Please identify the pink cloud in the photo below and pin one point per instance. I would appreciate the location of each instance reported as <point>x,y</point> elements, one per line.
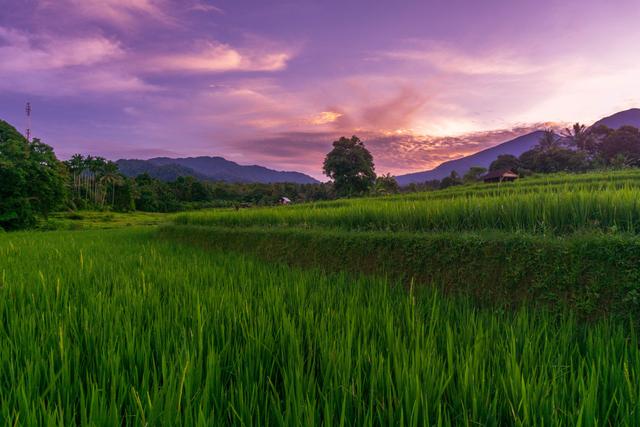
<point>452,60</point>
<point>62,66</point>
<point>215,57</point>
<point>202,6</point>
<point>394,153</point>
<point>396,112</point>
<point>117,12</point>
<point>28,53</point>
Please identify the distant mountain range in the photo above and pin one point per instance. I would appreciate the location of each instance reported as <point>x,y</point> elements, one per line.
<point>624,118</point>
<point>514,147</point>
<point>209,169</point>
<point>219,169</point>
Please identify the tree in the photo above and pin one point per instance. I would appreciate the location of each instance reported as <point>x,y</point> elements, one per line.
<point>350,165</point>
<point>474,174</point>
<point>504,162</point>
<point>154,195</point>
<point>386,184</point>
<point>32,180</point>
<point>110,177</point>
<point>578,136</point>
<point>124,196</point>
<point>548,141</point>
<point>597,135</point>
<point>622,147</point>
<point>556,159</point>
<point>451,180</point>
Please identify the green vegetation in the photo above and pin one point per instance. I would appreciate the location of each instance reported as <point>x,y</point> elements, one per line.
<point>95,183</point>
<point>350,165</point>
<point>31,179</point>
<point>166,334</point>
<point>506,304</point>
<point>607,202</point>
<point>578,149</point>
<point>559,241</point>
<point>89,220</point>
<point>593,276</point>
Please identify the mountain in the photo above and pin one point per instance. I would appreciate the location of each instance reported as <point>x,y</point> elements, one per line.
<point>624,118</point>
<point>167,172</point>
<point>515,147</point>
<point>209,169</point>
<point>482,158</point>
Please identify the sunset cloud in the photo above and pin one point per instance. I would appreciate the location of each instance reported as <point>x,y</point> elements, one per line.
<point>395,153</point>
<point>325,117</point>
<point>276,83</point>
<point>215,57</point>
<point>28,53</point>
<point>452,60</point>
<point>118,12</point>
<point>203,6</point>
<point>63,66</point>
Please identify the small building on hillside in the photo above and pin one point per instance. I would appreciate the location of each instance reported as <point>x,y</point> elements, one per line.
<point>504,175</point>
<point>285,201</point>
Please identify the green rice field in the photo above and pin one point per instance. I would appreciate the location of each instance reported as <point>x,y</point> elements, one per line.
<point>481,305</point>
<point>557,204</point>
<point>116,327</point>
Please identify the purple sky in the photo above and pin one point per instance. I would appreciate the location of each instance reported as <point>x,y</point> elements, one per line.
<point>275,82</point>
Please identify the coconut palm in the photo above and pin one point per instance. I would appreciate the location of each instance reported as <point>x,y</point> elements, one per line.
<point>578,135</point>
<point>110,176</point>
<point>549,140</point>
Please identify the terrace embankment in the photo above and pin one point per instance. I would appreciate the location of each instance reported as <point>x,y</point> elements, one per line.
<point>559,241</point>
<point>594,275</point>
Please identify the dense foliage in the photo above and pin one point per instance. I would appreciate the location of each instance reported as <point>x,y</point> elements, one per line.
<point>31,179</point>
<point>96,183</point>
<point>166,334</point>
<point>350,165</point>
<point>577,150</point>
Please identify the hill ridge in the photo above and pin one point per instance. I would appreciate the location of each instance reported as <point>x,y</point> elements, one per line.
<point>210,168</point>
<point>514,146</point>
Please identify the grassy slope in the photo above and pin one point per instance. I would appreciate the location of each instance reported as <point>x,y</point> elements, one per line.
<point>116,328</point>
<point>604,202</point>
<point>559,240</point>
<point>83,220</point>
<point>592,275</point>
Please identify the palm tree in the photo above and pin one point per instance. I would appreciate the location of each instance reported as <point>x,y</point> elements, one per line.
<point>76,166</point>
<point>97,167</point>
<point>548,141</point>
<point>110,175</point>
<point>578,135</point>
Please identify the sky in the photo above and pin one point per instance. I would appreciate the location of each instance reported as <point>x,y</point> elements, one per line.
<point>275,82</point>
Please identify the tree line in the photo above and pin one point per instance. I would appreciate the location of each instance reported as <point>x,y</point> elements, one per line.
<point>576,149</point>
<point>97,184</point>
<point>33,182</point>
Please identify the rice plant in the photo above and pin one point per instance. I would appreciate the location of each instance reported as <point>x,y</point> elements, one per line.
<point>118,328</point>
<point>604,202</point>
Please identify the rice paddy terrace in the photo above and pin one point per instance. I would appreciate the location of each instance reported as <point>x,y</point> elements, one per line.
<point>487,305</point>
<point>561,241</point>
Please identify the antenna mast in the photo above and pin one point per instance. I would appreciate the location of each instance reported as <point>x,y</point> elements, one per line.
<point>28,111</point>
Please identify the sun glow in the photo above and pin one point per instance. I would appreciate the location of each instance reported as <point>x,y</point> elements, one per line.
<point>325,117</point>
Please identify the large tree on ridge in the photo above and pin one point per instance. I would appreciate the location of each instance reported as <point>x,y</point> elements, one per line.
<point>350,165</point>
